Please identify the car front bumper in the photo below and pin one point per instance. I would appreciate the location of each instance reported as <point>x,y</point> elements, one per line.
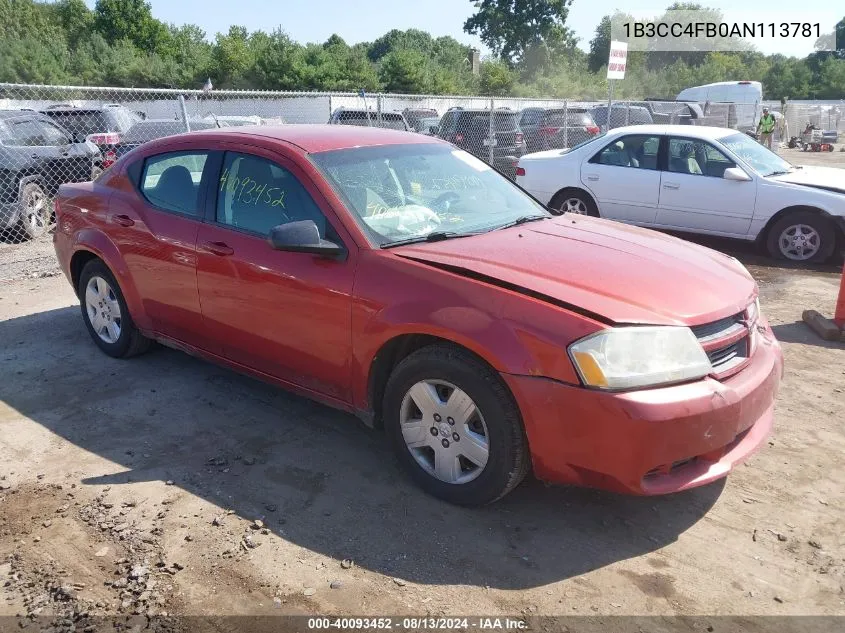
<point>654,441</point>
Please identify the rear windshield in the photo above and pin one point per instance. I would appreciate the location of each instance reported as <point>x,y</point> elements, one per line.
<point>623,115</point>
<point>502,121</point>
<point>93,121</point>
<point>390,120</point>
<point>571,117</point>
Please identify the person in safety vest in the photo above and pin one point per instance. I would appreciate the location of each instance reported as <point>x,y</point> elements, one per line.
<point>766,128</point>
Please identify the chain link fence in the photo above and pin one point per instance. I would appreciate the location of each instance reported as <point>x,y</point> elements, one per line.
<point>51,135</point>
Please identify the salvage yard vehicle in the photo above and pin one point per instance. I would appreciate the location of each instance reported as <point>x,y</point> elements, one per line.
<point>707,180</point>
<point>36,156</point>
<point>397,277</point>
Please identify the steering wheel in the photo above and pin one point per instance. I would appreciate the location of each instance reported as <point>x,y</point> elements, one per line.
<point>445,200</point>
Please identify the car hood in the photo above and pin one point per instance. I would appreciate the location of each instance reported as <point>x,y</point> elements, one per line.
<point>828,178</point>
<point>610,271</point>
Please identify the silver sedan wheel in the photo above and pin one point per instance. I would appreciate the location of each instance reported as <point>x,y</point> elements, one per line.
<point>103,309</point>
<point>799,242</point>
<point>574,205</point>
<point>444,431</point>
<point>36,212</point>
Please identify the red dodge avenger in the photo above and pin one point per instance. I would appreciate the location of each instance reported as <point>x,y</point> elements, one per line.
<point>396,277</point>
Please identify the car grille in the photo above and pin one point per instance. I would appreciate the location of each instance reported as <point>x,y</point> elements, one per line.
<point>725,341</point>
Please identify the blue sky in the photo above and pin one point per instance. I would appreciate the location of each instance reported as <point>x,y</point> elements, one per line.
<point>365,20</point>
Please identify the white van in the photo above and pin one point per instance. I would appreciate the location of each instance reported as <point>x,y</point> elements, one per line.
<point>747,95</point>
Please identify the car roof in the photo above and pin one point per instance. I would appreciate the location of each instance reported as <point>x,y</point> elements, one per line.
<point>315,138</point>
<point>13,114</point>
<point>690,131</point>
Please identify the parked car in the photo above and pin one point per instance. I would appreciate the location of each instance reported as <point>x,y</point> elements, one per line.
<point>470,130</point>
<point>698,179</point>
<point>36,156</point>
<point>556,128</point>
<point>414,115</point>
<point>368,118</point>
<point>393,276</point>
<point>621,115</point>
<point>149,129</point>
<point>670,112</point>
<point>427,125</point>
<point>101,125</point>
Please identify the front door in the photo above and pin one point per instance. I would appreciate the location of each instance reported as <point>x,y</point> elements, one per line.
<point>285,314</point>
<point>695,196</point>
<point>624,178</point>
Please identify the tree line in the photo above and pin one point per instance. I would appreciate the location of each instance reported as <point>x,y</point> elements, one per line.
<point>121,43</point>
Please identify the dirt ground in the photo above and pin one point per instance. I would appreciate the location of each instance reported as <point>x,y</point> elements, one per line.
<point>165,484</point>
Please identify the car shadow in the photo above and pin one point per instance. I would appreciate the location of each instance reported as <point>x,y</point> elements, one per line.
<point>800,332</point>
<point>319,479</point>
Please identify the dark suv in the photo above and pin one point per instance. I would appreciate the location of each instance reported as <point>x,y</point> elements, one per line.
<point>101,125</point>
<point>556,128</point>
<point>470,130</point>
<point>36,156</point>
<point>364,118</point>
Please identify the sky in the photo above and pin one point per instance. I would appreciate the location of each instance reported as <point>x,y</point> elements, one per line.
<point>365,20</point>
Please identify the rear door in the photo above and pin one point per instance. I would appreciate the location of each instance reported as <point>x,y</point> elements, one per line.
<point>155,227</point>
<point>65,160</point>
<point>695,196</point>
<point>624,178</point>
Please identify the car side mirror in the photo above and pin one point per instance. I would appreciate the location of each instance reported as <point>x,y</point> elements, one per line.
<point>736,174</point>
<point>303,237</point>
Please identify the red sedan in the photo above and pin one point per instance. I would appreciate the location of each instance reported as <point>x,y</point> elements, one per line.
<point>397,277</point>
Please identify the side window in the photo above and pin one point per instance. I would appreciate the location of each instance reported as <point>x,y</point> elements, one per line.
<point>172,181</point>
<point>53,135</point>
<point>532,117</point>
<point>446,123</point>
<point>696,157</point>
<point>255,195</point>
<point>26,133</point>
<point>637,150</point>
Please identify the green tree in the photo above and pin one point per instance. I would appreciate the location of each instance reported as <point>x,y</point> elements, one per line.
<point>130,20</point>
<point>510,27</point>
<point>496,78</point>
<point>76,19</point>
<point>405,71</point>
<point>232,58</point>
<point>599,46</point>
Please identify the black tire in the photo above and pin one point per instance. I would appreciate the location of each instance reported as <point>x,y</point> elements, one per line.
<point>586,200</point>
<point>130,342</point>
<point>36,212</point>
<point>508,458</point>
<point>823,227</point>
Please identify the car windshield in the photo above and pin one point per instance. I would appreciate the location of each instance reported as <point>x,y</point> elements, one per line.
<point>407,192</point>
<point>765,162</point>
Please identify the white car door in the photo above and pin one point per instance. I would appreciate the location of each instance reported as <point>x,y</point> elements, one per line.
<point>695,195</point>
<point>624,178</point>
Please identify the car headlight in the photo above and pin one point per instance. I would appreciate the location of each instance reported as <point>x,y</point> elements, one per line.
<point>635,357</point>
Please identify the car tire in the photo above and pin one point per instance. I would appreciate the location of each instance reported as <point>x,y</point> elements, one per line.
<point>105,313</point>
<point>36,212</point>
<point>423,389</point>
<point>801,236</point>
<point>574,201</point>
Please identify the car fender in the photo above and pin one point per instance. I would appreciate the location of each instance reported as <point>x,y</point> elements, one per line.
<point>98,243</point>
<point>774,197</point>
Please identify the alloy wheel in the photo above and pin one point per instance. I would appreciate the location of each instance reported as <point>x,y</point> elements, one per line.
<point>799,242</point>
<point>103,309</point>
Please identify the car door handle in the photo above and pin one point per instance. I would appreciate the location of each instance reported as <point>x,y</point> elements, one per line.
<point>592,177</point>
<point>218,248</point>
<point>671,185</point>
<point>123,220</point>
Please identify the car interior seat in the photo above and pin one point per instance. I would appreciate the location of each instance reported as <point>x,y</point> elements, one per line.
<point>175,190</point>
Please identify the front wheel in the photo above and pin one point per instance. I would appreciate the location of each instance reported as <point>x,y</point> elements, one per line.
<point>802,236</point>
<point>455,426</point>
<point>36,211</point>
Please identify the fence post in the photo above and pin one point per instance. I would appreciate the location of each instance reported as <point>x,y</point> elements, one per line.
<point>331,110</point>
<point>184,112</point>
<point>566,123</point>
<point>491,134</point>
<point>628,113</point>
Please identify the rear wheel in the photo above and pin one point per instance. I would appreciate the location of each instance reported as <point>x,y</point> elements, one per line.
<point>574,201</point>
<point>454,426</point>
<point>105,313</point>
<point>36,211</point>
<point>802,236</point>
